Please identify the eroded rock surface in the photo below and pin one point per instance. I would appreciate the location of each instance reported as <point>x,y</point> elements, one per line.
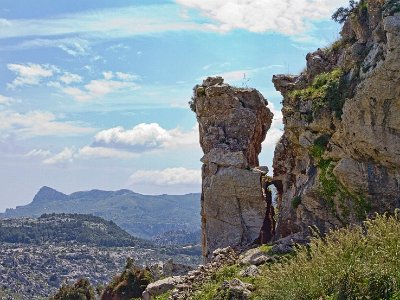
<point>339,157</point>
<point>233,123</point>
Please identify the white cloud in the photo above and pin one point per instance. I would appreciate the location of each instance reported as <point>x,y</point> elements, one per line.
<point>30,74</point>
<point>275,132</point>
<point>104,23</point>
<point>69,78</point>
<point>40,123</point>
<point>126,76</point>
<point>4,100</point>
<point>108,75</point>
<point>289,17</point>
<point>103,152</point>
<point>64,156</point>
<point>72,46</point>
<point>101,87</point>
<point>144,137</point>
<point>167,177</point>
<point>75,48</point>
<point>38,153</point>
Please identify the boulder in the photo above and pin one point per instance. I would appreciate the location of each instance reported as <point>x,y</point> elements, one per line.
<point>160,287</point>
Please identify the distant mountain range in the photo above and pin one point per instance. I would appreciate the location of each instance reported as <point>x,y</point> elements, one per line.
<point>143,216</point>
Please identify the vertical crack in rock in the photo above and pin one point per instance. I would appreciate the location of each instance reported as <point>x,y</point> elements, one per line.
<point>233,123</point>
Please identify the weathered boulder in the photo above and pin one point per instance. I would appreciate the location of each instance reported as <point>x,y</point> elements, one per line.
<point>254,257</point>
<point>233,123</point>
<point>339,158</point>
<point>160,287</point>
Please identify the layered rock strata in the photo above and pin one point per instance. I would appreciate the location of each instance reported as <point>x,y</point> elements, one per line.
<point>233,123</point>
<point>339,158</point>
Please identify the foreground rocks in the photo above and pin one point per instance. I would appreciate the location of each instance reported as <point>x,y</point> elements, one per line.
<point>339,158</point>
<point>182,287</point>
<point>233,123</point>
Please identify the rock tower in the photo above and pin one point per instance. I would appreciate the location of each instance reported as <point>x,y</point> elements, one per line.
<point>233,123</point>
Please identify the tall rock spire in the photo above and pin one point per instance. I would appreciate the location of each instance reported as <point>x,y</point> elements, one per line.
<point>233,123</point>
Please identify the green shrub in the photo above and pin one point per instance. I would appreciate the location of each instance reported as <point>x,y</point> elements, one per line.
<point>326,90</point>
<point>208,290</point>
<point>131,283</point>
<point>80,290</point>
<point>265,248</point>
<point>361,262</point>
<point>296,201</point>
<point>319,146</point>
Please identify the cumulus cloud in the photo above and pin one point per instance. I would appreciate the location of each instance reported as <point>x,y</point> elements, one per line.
<point>110,83</point>
<point>30,74</point>
<point>69,78</point>
<point>289,17</point>
<point>34,74</point>
<point>40,123</point>
<point>167,177</point>
<point>143,137</point>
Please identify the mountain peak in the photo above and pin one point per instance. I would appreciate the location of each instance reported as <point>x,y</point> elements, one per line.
<point>47,194</point>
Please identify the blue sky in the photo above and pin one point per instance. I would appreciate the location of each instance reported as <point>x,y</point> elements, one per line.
<point>93,94</point>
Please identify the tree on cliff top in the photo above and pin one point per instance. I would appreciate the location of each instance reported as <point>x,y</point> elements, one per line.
<point>342,13</point>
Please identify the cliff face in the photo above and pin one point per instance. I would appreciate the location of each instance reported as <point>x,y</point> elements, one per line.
<point>233,123</point>
<point>339,157</point>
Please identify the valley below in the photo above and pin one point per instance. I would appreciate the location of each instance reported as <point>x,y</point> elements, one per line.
<point>38,255</point>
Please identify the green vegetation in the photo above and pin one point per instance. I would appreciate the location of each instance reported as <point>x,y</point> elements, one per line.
<point>361,262</point>
<point>164,296</point>
<point>391,7</point>
<point>127,209</point>
<point>84,229</point>
<point>319,146</point>
<point>331,188</point>
<point>265,248</point>
<point>296,201</point>
<point>209,289</point>
<point>343,13</point>
<point>80,290</point>
<point>326,90</point>
<point>131,283</point>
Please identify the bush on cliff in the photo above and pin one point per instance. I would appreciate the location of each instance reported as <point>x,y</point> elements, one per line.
<point>130,284</point>
<point>326,90</point>
<point>361,262</point>
<point>80,290</point>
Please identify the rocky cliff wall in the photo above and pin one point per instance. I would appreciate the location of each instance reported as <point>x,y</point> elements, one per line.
<point>339,157</point>
<point>233,123</point>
